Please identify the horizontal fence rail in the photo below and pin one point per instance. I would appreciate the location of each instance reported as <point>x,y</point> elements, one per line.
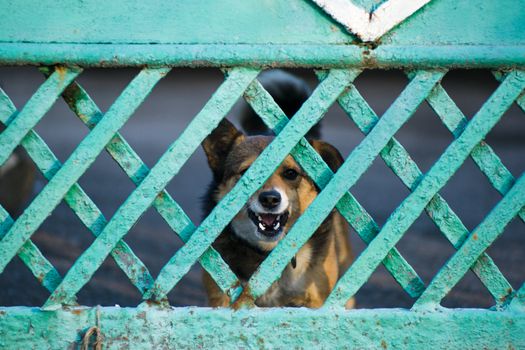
<point>313,56</point>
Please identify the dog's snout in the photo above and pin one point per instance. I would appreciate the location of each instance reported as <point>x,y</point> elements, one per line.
<point>270,199</point>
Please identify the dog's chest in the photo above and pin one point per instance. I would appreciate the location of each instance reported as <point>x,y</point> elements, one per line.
<point>292,284</point>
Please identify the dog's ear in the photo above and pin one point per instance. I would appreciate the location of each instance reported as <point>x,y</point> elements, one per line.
<point>329,153</point>
<point>218,144</point>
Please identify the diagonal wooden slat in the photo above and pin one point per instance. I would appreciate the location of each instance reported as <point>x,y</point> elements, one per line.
<point>491,165</point>
<point>400,162</point>
<point>77,163</point>
<point>497,174</point>
<point>518,302</point>
<point>34,109</point>
<point>88,112</point>
<point>157,179</point>
<point>260,170</point>
<point>315,167</point>
<point>434,180</point>
<point>84,208</point>
<point>352,169</point>
<point>30,255</point>
<point>483,155</point>
<point>520,101</point>
<point>479,241</point>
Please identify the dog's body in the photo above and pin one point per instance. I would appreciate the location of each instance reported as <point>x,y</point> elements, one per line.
<point>268,216</point>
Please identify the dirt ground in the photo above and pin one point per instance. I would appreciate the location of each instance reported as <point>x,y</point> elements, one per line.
<point>177,98</point>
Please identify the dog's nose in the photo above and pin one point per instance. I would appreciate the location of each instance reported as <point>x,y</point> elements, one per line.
<point>270,199</point>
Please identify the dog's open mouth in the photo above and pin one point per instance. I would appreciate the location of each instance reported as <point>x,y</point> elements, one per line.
<point>269,224</point>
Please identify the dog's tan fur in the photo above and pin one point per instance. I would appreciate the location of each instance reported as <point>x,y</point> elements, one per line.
<point>318,264</point>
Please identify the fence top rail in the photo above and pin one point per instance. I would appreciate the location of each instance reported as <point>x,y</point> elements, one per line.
<point>261,56</point>
<point>306,33</point>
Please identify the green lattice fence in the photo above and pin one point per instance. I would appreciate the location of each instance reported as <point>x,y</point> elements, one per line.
<point>339,58</point>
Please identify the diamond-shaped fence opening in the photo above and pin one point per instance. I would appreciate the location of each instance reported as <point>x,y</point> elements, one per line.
<point>20,287</point>
<point>168,110</point>
<point>424,137</point>
<point>19,183</point>
<point>289,88</point>
<point>104,85</point>
<point>379,191</point>
<point>425,247</point>
<point>62,238</point>
<point>469,88</point>
<point>468,293</point>
<point>508,141</point>
<point>380,87</point>
<point>153,240</point>
<point>507,253</point>
<point>20,83</point>
<point>470,194</point>
<point>382,291</point>
<point>189,187</point>
<point>340,131</point>
<point>105,177</point>
<point>61,130</point>
<point>189,291</point>
<point>109,286</point>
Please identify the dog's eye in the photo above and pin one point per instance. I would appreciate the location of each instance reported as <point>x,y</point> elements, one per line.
<point>290,174</point>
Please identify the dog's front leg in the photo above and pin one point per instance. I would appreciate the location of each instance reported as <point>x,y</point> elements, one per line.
<point>216,298</point>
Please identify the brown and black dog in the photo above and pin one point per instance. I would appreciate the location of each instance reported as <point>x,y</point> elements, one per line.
<point>268,216</point>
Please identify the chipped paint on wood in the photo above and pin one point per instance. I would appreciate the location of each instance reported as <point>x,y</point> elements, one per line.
<point>423,37</point>
<point>406,213</point>
<point>300,55</point>
<point>191,328</point>
<point>351,170</point>
<point>318,170</point>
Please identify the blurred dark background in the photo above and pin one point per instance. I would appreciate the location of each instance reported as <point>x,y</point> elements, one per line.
<point>171,106</point>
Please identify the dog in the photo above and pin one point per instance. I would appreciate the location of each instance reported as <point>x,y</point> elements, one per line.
<point>289,92</point>
<point>267,217</point>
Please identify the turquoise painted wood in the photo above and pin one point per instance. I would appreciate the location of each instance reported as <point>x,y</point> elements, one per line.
<point>149,327</point>
<point>244,38</point>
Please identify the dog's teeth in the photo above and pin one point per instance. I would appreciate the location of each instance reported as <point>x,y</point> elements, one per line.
<point>261,226</point>
<point>259,218</point>
<point>277,225</point>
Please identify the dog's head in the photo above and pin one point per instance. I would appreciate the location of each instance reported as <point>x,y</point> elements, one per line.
<point>274,208</point>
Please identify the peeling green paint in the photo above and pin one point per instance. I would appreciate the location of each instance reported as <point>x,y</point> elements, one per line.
<point>352,169</point>
<point>75,166</point>
<point>478,241</point>
<point>436,178</point>
<point>348,206</point>
<point>194,328</point>
<point>261,169</point>
<point>249,55</point>
<point>159,176</point>
<point>245,38</point>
